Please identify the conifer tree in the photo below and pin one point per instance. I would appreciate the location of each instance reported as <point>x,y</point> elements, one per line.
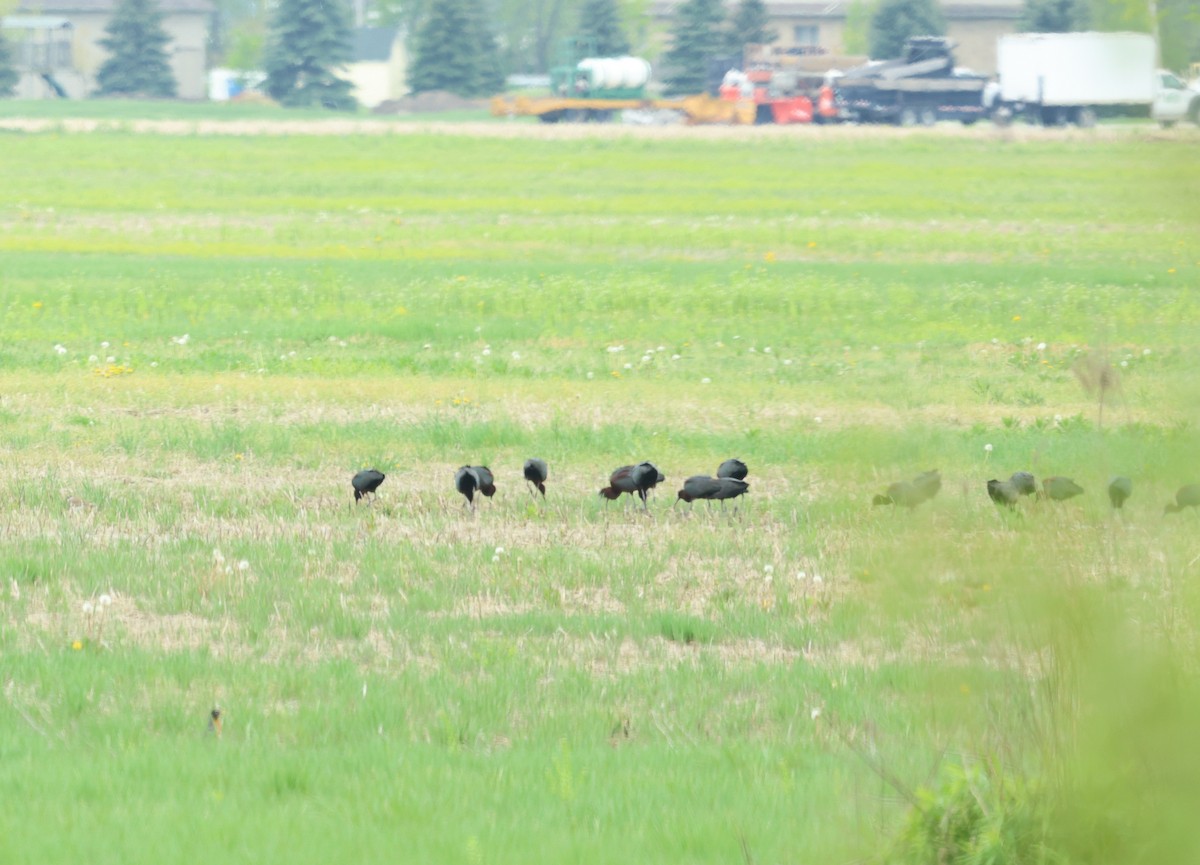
<point>137,62</point>
<point>600,26</point>
<point>750,26</point>
<point>8,74</point>
<point>697,37</point>
<point>309,40</point>
<point>456,51</point>
<point>895,21</point>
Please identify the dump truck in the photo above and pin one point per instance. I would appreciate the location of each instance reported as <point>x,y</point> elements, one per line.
<point>1060,78</point>
<point>923,86</point>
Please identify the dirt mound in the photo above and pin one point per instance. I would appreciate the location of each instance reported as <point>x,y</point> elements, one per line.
<point>433,100</point>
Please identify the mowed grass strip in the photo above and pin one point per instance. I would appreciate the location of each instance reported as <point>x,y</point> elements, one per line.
<point>204,338</point>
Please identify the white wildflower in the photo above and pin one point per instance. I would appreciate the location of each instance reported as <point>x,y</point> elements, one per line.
<point>105,600</point>
<point>1041,346</point>
<point>987,448</point>
<point>613,349</point>
<point>243,565</point>
<point>104,344</point>
<point>88,608</point>
<point>814,714</point>
<point>706,381</point>
<point>60,349</point>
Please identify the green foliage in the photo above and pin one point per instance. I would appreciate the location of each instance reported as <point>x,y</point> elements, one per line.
<point>245,50</point>
<point>895,21</point>
<point>137,62</point>
<point>600,25</point>
<point>750,25</point>
<point>1055,16</point>
<point>1179,33</point>
<point>309,41</point>
<point>1116,15</point>
<point>456,51</point>
<point>697,36</point>
<point>856,35</point>
<point>976,815</point>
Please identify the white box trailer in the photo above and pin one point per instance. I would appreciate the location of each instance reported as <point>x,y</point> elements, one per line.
<point>1061,77</point>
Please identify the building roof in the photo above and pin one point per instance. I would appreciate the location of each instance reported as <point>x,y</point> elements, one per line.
<point>65,7</point>
<point>373,43</point>
<point>837,9</point>
<point>35,22</point>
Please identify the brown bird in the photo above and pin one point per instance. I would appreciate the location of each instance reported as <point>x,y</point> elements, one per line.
<point>536,473</point>
<point>1187,497</point>
<point>1003,492</point>
<point>471,479</point>
<point>638,480</point>
<point>1060,489</point>
<point>214,721</point>
<point>1119,489</point>
<point>920,489</point>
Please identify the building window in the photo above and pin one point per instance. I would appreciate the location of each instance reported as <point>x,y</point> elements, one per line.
<point>806,34</point>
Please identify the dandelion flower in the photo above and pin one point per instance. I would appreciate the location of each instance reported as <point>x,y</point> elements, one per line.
<point>60,349</point>
<point>800,575</point>
<point>243,565</point>
<point>499,550</point>
<point>486,352</point>
<point>675,357</point>
<point>217,556</point>
<point>817,578</point>
<point>987,448</point>
<point>768,569</point>
<point>77,645</point>
<point>628,366</point>
<point>516,355</point>
<point>495,559</point>
<point>88,609</point>
<point>787,362</point>
<point>105,600</point>
<point>93,359</point>
<point>613,349</point>
<point>662,348</point>
<point>591,375</point>
<point>706,381</point>
<point>814,714</point>
<point>1145,352</point>
<point>1041,346</point>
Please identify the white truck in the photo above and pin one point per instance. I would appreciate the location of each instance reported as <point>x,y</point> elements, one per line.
<point>1057,78</point>
<point>1174,100</point>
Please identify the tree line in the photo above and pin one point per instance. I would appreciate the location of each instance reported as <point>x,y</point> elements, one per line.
<point>468,47</point>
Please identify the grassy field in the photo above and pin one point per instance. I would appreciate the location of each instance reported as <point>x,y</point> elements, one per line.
<point>205,337</point>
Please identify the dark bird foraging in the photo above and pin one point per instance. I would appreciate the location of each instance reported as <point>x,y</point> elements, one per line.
<point>733,468</point>
<point>1024,482</point>
<point>1060,489</point>
<point>469,480</point>
<point>1187,497</point>
<point>909,494</point>
<point>1003,492</point>
<point>1119,489</point>
<point>366,481</point>
<point>536,473</point>
<point>731,488</point>
<point>638,480</point>
<point>214,721</point>
<point>699,487</point>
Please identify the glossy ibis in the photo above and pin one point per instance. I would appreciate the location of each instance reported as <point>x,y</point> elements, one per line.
<point>912,493</point>
<point>536,473</point>
<point>1187,497</point>
<point>1119,489</point>
<point>1024,483</point>
<point>366,482</point>
<point>733,468</point>
<point>1060,489</point>
<point>469,480</point>
<point>1003,492</point>
<point>637,480</point>
<point>699,487</point>
<point>731,488</point>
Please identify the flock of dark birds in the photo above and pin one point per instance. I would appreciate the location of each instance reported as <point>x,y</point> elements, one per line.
<point>730,482</point>
<point>636,480</point>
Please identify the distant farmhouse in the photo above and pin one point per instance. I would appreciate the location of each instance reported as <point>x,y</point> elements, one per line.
<point>58,45</point>
<point>379,65</point>
<point>973,24</point>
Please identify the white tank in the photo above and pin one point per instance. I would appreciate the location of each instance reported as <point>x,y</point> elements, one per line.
<point>611,73</point>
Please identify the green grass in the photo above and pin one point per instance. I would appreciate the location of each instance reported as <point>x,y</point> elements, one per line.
<point>204,337</point>
<point>125,110</point>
